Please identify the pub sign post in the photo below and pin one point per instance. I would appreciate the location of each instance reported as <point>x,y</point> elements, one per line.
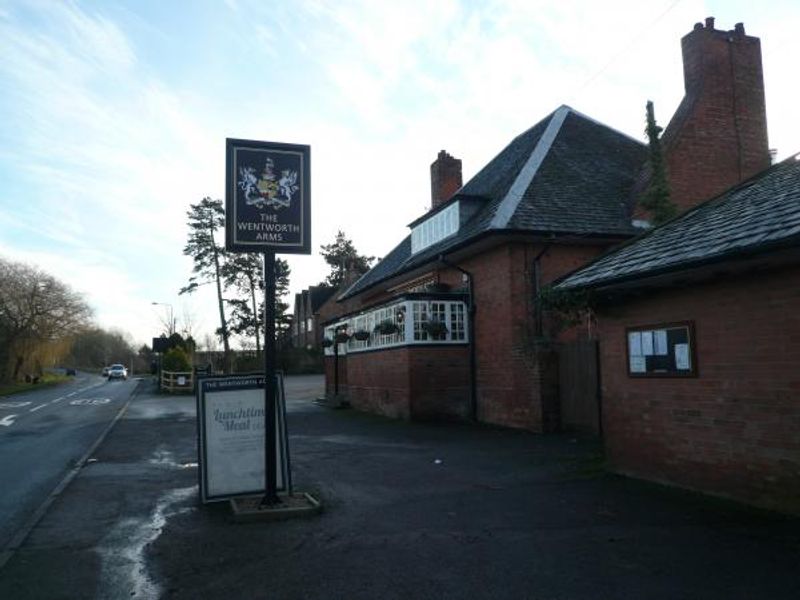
<point>268,210</point>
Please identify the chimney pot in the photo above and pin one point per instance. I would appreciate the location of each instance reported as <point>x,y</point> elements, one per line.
<point>709,22</point>
<point>698,26</point>
<point>739,28</point>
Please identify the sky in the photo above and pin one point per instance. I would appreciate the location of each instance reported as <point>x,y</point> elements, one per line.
<point>114,115</point>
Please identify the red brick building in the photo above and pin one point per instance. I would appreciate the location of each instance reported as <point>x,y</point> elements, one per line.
<point>471,267</point>
<point>308,315</point>
<point>699,335</point>
<point>448,323</point>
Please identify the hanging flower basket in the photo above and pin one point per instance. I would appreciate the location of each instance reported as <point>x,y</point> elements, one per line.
<point>327,342</point>
<point>386,328</point>
<point>434,328</point>
<point>362,335</point>
<point>342,338</point>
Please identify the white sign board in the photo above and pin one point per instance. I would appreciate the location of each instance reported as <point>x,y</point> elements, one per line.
<point>231,429</point>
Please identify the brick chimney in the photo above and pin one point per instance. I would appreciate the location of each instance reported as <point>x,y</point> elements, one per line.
<point>445,178</point>
<point>718,135</point>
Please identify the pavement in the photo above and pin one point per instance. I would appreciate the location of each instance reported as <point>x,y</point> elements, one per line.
<point>411,511</point>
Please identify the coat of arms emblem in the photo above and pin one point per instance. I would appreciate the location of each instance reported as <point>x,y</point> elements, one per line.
<point>266,189</point>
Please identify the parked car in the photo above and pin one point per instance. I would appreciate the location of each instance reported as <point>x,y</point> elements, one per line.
<point>117,372</point>
<point>70,371</point>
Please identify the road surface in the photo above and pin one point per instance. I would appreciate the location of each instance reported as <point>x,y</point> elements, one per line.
<point>43,434</point>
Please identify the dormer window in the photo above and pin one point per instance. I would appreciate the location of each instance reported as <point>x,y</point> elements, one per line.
<point>434,229</point>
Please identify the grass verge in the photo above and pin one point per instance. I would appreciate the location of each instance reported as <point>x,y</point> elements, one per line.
<point>47,380</point>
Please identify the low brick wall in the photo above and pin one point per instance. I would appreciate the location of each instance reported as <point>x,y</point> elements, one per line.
<point>419,382</point>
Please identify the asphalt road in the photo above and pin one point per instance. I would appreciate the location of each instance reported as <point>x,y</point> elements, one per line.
<point>412,511</point>
<point>43,433</point>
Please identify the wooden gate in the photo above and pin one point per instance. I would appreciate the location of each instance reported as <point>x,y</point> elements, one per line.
<point>579,386</point>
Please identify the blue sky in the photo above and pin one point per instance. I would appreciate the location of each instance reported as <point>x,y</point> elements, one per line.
<point>113,115</point>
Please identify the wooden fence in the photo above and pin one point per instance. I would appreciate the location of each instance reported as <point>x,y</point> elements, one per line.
<point>177,382</point>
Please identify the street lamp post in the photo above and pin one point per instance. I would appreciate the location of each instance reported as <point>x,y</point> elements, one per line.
<point>171,316</point>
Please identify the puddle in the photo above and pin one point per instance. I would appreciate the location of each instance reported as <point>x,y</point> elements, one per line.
<point>123,572</point>
<point>152,410</point>
<point>165,458</point>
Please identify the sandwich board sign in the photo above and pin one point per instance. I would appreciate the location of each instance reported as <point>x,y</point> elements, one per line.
<point>231,436</point>
<point>268,197</point>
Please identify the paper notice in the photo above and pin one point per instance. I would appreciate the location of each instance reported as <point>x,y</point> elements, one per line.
<point>635,343</point>
<point>647,343</point>
<point>682,361</point>
<point>660,342</point>
<point>637,364</point>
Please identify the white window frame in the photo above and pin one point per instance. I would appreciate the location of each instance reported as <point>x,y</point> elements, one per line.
<point>415,312</point>
<point>436,228</point>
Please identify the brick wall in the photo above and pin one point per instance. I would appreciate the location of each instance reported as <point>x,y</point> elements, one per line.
<point>735,429</point>
<point>421,382</point>
<point>517,375</point>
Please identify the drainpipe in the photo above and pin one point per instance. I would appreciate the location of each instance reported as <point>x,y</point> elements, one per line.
<point>335,368</point>
<point>537,287</point>
<point>473,385</point>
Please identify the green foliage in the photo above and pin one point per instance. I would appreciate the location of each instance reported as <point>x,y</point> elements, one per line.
<point>343,259</point>
<point>386,327</point>
<point>656,199</point>
<point>435,329</point>
<point>205,219</point>
<point>300,361</point>
<point>244,273</point>
<point>568,307</point>
<point>176,360</point>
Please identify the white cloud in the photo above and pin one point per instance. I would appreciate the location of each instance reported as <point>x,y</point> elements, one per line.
<point>111,149</point>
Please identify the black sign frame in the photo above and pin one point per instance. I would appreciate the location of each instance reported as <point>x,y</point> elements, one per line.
<point>242,381</point>
<point>267,197</point>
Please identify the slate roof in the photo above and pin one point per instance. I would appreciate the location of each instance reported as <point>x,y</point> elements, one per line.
<point>754,216</point>
<point>320,295</point>
<point>568,174</point>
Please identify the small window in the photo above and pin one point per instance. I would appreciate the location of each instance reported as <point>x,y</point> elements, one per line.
<point>661,350</point>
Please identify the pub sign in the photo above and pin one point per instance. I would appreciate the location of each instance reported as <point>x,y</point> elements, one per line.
<point>268,197</point>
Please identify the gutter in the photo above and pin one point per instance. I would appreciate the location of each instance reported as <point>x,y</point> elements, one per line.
<point>473,384</point>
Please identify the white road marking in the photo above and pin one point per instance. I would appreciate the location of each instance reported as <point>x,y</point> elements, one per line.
<point>35,408</point>
<point>56,400</point>
<point>7,421</point>
<point>14,404</point>
<point>71,395</point>
<point>90,401</point>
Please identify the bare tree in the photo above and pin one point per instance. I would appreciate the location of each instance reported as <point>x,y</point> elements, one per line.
<point>36,311</point>
<point>188,322</point>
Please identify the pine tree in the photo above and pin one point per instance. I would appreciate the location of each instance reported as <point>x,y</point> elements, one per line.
<point>204,220</point>
<point>343,258</point>
<point>245,274</point>
<point>656,199</point>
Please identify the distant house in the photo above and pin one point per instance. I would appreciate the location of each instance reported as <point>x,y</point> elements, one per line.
<point>306,331</point>
<point>448,325</point>
<point>699,334</point>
